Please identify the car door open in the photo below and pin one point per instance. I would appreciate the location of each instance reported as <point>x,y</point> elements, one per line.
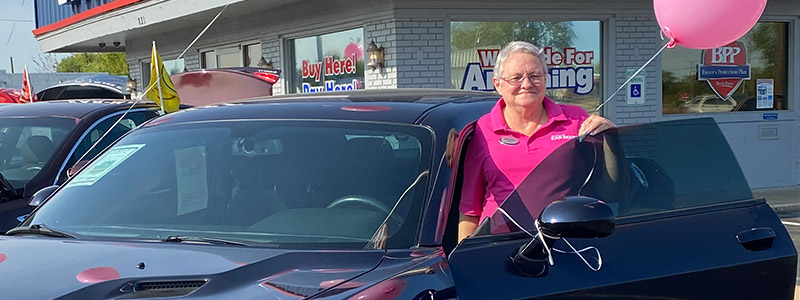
<point>683,224</point>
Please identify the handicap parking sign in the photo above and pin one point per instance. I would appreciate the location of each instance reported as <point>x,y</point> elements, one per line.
<point>636,90</point>
<point>636,87</point>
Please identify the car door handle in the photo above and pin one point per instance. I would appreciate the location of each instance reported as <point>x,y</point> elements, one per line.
<point>756,239</point>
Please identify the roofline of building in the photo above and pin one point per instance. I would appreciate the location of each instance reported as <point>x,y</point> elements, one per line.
<point>83,16</point>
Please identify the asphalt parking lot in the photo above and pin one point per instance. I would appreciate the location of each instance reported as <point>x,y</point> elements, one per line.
<point>786,203</point>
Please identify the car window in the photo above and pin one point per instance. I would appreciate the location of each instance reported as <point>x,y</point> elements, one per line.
<point>91,137</point>
<point>50,94</point>
<point>88,92</point>
<point>26,144</point>
<point>636,170</point>
<point>309,184</point>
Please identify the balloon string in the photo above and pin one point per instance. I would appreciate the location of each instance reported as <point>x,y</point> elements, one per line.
<point>634,75</point>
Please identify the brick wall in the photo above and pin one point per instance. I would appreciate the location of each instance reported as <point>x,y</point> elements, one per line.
<point>191,60</point>
<point>637,41</point>
<point>384,33</point>
<point>271,51</point>
<point>414,50</point>
<point>135,72</point>
<point>420,53</point>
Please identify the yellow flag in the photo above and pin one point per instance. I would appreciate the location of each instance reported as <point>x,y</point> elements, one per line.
<point>160,86</point>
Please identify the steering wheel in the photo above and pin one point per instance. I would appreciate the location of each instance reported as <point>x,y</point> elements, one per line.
<point>360,200</point>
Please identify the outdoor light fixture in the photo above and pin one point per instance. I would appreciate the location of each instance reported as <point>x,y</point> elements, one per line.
<point>131,84</point>
<point>263,63</point>
<point>374,56</point>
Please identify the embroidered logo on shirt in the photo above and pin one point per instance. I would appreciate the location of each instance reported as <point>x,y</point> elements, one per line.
<point>562,136</point>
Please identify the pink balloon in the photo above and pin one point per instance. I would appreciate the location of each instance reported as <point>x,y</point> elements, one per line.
<point>706,24</point>
<point>354,48</point>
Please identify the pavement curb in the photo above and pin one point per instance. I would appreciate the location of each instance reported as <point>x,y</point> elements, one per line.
<point>793,207</point>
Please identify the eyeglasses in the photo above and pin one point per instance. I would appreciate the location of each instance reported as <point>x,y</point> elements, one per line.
<point>517,79</point>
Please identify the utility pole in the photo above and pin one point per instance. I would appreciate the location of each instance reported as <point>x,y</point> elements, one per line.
<point>12,64</point>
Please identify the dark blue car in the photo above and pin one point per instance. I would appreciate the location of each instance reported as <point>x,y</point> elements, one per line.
<point>355,196</point>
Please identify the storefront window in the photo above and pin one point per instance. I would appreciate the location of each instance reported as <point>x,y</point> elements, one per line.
<point>174,66</point>
<point>231,56</point>
<point>747,75</point>
<point>571,51</point>
<point>330,62</point>
<point>252,54</point>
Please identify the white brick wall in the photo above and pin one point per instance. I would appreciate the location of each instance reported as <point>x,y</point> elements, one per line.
<point>637,41</point>
<point>414,49</point>
<point>271,51</point>
<point>421,52</point>
<point>191,60</point>
<point>384,33</point>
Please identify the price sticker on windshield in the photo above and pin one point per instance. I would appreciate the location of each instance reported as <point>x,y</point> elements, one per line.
<point>104,164</point>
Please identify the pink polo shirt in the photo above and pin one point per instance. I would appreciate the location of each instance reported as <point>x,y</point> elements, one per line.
<point>498,158</point>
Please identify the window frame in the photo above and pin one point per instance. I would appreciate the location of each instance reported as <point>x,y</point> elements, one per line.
<point>240,48</point>
<point>63,168</point>
<point>289,55</point>
<point>792,86</point>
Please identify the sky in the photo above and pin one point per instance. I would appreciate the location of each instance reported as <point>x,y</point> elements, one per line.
<point>16,39</point>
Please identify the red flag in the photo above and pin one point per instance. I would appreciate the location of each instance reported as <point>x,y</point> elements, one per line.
<point>27,90</point>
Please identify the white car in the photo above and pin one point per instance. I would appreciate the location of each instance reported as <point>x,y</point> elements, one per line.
<point>710,104</point>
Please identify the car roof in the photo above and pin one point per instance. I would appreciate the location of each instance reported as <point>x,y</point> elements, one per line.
<point>398,105</point>
<point>110,82</point>
<point>68,108</point>
<point>385,95</point>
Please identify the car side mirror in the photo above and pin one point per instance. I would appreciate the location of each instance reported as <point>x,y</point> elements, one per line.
<point>572,217</point>
<point>577,217</point>
<point>76,168</point>
<point>42,195</point>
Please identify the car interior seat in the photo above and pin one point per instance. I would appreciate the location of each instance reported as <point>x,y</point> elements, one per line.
<point>36,150</point>
<point>371,169</point>
<point>253,196</point>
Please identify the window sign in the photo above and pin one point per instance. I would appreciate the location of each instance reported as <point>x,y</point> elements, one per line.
<point>330,62</point>
<point>764,93</point>
<point>724,68</point>
<point>571,51</point>
<point>732,78</point>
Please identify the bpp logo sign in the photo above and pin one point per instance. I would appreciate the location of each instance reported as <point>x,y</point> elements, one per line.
<point>724,68</point>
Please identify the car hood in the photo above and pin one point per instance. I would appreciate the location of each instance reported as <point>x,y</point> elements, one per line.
<point>47,268</point>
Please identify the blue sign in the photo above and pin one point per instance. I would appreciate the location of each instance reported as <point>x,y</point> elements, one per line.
<point>721,72</point>
<point>636,90</point>
<point>770,116</point>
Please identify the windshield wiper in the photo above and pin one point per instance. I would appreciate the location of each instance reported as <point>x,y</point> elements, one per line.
<point>201,240</point>
<point>41,229</point>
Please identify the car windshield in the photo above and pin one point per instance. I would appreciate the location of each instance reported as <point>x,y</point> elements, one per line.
<point>300,184</point>
<point>26,144</point>
<point>637,170</point>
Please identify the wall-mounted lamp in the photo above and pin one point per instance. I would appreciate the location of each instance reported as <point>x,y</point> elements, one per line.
<point>263,63</point>
<point>374,56</point>
<point>131,84</point>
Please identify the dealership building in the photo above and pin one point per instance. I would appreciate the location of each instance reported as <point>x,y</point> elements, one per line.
<point>591,48</point>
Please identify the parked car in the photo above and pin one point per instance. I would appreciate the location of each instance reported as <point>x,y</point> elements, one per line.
<point>710,104</point>
<point>40,141</point>
<point>355,195</point>
<point>211,86</point>
<point>9,95</point>
<point>88,87</point>
<point>750,104</point>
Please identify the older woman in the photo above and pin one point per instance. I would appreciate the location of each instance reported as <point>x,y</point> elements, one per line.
<point>518,133</point>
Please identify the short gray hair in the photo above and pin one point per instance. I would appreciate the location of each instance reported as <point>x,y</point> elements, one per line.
<point>514,47</point>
